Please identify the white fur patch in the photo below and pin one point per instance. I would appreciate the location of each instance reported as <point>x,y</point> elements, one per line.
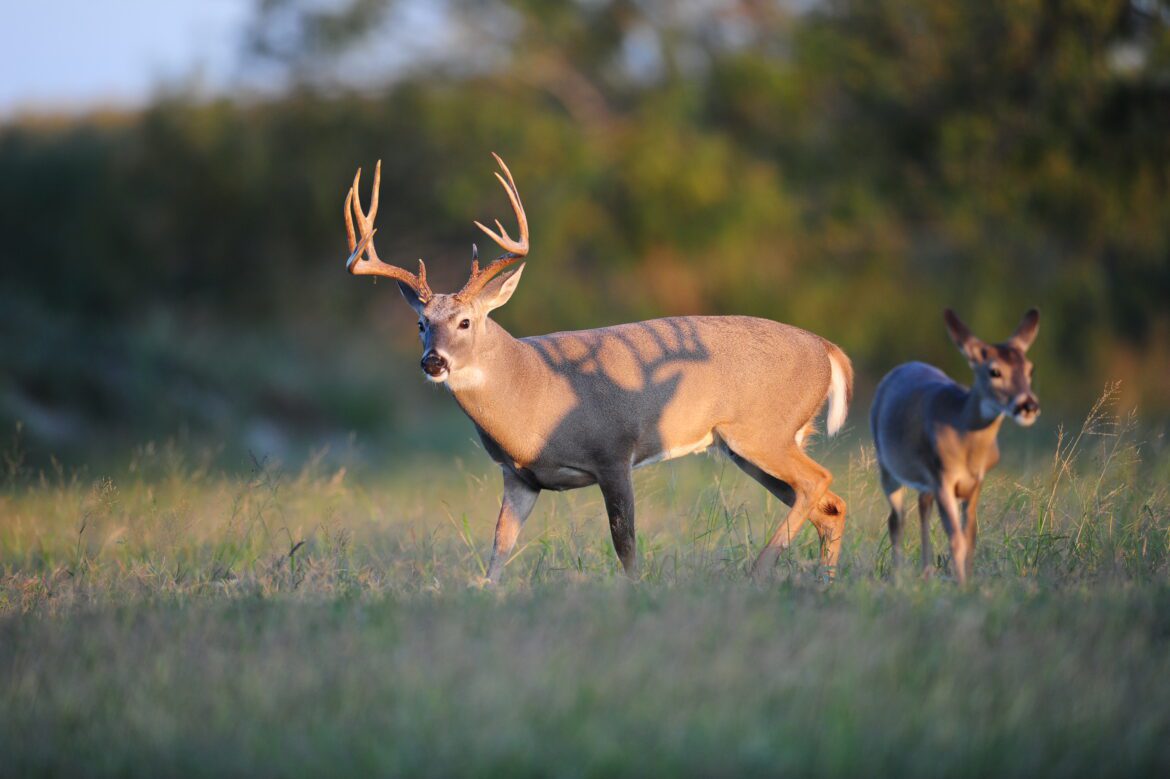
<point>838,403</point>
<point>1025,420</point>
<point>701,445</point>
<point>465,379</point>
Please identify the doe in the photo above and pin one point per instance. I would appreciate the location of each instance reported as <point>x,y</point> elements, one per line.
<point>568,410</point>
<point>938,437</point>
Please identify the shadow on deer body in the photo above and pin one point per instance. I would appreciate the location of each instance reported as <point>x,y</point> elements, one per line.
<point>569,410</point>
<point>938,437</point>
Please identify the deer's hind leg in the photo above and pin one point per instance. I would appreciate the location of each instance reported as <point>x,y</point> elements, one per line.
<point>828,516</point>
<point>808,480</point>
<point>925,504</point>
<point>896,495</point>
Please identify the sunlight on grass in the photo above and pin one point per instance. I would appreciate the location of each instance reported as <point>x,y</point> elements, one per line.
<point>170,528</point>
<point>175,619</point>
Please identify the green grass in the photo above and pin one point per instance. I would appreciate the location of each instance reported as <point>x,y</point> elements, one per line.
<point>173,620</point>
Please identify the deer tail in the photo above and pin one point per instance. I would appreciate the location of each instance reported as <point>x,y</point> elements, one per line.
<point>840,393</point>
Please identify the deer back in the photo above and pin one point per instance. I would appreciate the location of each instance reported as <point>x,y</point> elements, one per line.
<point>648,390</point>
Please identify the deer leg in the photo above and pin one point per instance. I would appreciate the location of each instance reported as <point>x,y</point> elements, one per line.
<point>781,490</point>
<point>828,517</point>
<point>948,509</point>
<point>618,490</point>
<point>925,504</point>
<point>971,524</point>
<point>809,482</point>
<point>515,507</point>
<point>896,495</point>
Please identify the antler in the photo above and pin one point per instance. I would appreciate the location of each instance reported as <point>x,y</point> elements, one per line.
<point>513,250</point>
<point>372,266</point>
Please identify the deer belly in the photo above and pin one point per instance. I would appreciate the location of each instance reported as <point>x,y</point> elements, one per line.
<point>555,477</point>
<point>910,474</point>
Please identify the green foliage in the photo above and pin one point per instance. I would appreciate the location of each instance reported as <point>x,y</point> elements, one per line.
<point>851,170</point>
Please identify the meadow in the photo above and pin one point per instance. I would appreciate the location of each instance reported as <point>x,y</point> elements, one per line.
<point>287,581</point>
<point>175,619</point>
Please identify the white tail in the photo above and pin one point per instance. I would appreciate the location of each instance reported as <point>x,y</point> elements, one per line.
<point>840,389</point>
<point>568,410</point>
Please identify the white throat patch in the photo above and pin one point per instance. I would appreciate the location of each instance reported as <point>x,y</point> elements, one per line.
<point>465,379</point>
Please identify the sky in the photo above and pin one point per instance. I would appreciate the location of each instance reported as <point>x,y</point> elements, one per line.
<point>70,56</point>
<point>73,55</point>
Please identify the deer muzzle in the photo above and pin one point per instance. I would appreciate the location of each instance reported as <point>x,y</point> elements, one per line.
<point>1025,410</point>
<point>434,364</point>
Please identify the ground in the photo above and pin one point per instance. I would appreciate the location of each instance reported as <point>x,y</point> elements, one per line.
<point>177,620</point>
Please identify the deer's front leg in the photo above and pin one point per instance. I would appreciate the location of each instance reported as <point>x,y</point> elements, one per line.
<point>948,509</point>
<point>617,487</point>
<point>515,507</point>
<point>971,527</point>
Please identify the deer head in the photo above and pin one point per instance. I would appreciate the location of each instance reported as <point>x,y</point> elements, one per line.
<point>451,326</point>
<point>1003,372</point>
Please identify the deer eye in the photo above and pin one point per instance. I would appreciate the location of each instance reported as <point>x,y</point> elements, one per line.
<point>466,323</point>
<point>994,373</point>
<point>420,326</point>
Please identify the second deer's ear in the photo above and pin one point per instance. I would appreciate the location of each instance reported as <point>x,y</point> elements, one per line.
<point>499,290</point>
<point>1025,334</point>
<point>972,348</point>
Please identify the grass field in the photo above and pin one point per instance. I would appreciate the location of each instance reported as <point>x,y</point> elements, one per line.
<point>174,620</point>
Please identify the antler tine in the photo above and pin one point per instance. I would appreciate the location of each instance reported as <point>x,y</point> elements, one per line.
<point>499,160</point>
<point>505,241</point>
<point>513,249</point>
<point>372,265</point>
<point>365,221</point>
<point>349,236</point>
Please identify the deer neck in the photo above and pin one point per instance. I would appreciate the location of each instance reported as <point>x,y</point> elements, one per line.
<point>980,416</point>
<point>503,386</point>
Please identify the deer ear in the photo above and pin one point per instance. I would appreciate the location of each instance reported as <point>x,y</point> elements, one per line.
<point>499,290</point>
<point>1025,334</point>
<point>972,348</point>
<point>411,297</point>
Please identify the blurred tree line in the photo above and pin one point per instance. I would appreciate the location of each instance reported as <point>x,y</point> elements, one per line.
<point>850,166</point>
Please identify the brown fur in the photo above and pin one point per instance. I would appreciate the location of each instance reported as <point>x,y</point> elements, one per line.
<point>936,436</point>
<point>568,410</point>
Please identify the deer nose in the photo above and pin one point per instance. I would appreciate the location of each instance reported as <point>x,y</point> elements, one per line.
<point>433,363</point>
<point>1028,405</point>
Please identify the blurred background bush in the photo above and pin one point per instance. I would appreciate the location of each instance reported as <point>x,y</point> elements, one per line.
<point>849,166</point>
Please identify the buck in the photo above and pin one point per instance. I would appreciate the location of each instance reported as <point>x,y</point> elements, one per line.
<point>938,437</point>
<point>573,409</point>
